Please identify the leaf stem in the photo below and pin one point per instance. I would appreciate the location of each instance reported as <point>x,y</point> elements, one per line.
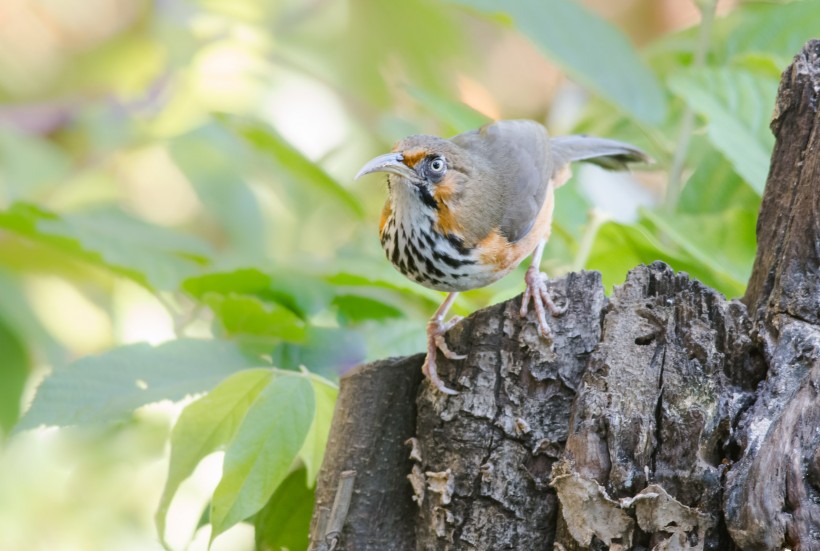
<point>674,185</point>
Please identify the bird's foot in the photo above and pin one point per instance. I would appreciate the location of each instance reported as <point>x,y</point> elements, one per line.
<point>542,301</point>
<point>435,342</point>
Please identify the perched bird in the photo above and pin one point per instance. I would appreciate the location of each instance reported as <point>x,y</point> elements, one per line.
<point>463,212</point>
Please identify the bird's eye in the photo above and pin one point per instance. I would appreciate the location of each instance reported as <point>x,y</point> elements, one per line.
<point>438,165</point>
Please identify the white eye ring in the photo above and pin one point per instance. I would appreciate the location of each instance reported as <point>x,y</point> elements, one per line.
<point>438,164</point>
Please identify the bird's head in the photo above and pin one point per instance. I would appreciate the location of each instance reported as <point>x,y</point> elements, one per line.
<point>421,168</point>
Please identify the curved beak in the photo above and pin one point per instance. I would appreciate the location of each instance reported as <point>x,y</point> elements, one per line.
<point>390,162</point>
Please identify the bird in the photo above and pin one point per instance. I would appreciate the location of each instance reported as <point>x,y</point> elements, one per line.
<point>461,213</point>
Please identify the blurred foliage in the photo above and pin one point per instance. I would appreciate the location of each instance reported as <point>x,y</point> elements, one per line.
<point>179,222</point>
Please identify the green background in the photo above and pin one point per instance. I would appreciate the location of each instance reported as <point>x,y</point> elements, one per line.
<point>186,265</point>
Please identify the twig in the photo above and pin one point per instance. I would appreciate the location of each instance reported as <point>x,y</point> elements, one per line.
<point>331,528</point>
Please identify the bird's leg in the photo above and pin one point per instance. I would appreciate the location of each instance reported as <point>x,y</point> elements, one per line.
<point>436,328</point>
<point>537,292</point>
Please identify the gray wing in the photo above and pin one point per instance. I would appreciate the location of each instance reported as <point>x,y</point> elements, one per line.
<point>520,165</point>
<point>609,154</point>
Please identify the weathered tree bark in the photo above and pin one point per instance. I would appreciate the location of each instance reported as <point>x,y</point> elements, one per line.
<point>773,492</point>
<point>664,418</point>
<point>367,444</point>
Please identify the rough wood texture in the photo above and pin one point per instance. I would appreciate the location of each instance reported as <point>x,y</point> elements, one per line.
<point>653,420</point>
<point>494,444</point>
<point>375,415</point>
<point>666,418</point>
<point>786,274</point>
<point>773,492</point>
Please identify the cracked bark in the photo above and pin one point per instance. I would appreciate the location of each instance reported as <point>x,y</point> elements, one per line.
<point>665,417</point>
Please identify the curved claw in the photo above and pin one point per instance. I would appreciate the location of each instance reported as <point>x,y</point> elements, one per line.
<point>536,291</point>
<point>449,354</point>
<point>436,342</point>
<point>429,370</point>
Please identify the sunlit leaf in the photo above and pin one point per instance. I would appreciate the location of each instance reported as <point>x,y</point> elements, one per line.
<point>207,425</point>
<point>14,369</point>
<point>378,272</point>
<point>149,254</point>
<point>301,293</point>
<point>354,308</point>
<point>714,186</point>
<point>424,38</point>
<point>248,317</point>
<point>305,294</point>
<point>456,115</point>
<point>588,48</point>
<point>213,160</point>
<point>397,338</point>
<point>110,386</point>
<point>313,449</point>
<point>289,161</point>
<point>778,30</point>
<point>284,522</point>
<point>737,105</point>
<point>16,311</point>
<point>263,450</point>
<point>619,247</point>
<point>245,281</point>
<point>722,243</point>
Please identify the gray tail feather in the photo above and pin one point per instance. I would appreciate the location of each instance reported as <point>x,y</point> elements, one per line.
<point>609,154</point>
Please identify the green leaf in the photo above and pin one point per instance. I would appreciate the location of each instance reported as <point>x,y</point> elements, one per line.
<point>723,245</point>
<point>284,522</point>
<point>397,338</point>
<point>305,294</point>
<point>775,29</point>
<point>247,281</point>
<point>456,115</point>
<point>588,48</point>
<point>355,309</point>
<point>714,186</point>
<point>213,159</point>
<point>108,387</point>
<point>301,170</point>
<point>17,313</point>
<point>424,39</point>
<point>313,450</point>
<point>718,248</point>
<point>619,247</point>
<point>301,293</point>
<point>14,369</point>
<point>151,255</point>
<point>263,450</point>
<point>205,426</point>
<point>357,270</point>
<point>737,105</point>
<point>252,320</point>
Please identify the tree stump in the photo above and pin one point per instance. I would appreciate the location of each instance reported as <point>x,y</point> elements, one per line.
<point>664,418</point>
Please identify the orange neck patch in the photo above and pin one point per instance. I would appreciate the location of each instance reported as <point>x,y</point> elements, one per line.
<point>447,221</point>
<point>495,250</point>
<point>387,210</point>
